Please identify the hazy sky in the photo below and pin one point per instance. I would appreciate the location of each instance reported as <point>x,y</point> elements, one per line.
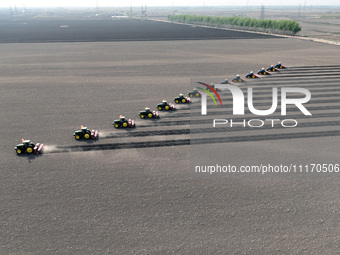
<point>80,3</point>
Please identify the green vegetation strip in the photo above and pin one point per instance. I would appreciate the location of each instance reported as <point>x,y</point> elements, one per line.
<point>330,16</point>
<point>265,25</point>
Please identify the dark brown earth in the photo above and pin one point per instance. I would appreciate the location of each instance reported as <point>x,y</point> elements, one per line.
<point>147,200</point>
<point>26,31</point>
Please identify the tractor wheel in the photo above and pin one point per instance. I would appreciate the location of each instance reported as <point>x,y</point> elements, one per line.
<point>253,76</point>
<point>167,107</point>
<point>18,151</point>
<point>177,101</point>
<point>159,108</point>
<point>190,95</point>
<point>142,116</point>
<point>86,136</point>
<point>116,125</point>
<point>29,150</point>
<point>197,94</point>
<point>150,115</point>
<point>184,100</point>
<point>125,124</point>
<point>77,137</point>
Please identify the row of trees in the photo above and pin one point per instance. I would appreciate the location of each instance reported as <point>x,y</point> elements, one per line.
<point>265,25</point>
<point>330,16</point>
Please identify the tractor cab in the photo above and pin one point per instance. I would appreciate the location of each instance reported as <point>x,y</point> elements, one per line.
<point>26,142</point>
<point>165,103</point>
<point>122,118</point>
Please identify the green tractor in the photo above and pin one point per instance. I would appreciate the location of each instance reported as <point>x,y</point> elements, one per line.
<point>194,93</point>
<point>166,106</point>
<point>237,78</point>
<point>85,133</point>
<point>27,147</point>
<point>122,122</point>
<point>181,99</point>
<point>147,113</point>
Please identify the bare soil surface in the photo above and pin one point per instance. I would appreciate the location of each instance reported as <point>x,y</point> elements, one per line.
<point>32,30</point>
<point>78,198</point>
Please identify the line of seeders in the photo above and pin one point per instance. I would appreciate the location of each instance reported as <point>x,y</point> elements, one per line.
<point>28,147</point>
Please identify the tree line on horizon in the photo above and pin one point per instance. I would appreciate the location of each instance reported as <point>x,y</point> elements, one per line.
<point>266,25</point>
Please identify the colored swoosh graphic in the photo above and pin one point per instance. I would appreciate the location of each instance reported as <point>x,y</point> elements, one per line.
<point>209,94</point>
<point>213,90</point>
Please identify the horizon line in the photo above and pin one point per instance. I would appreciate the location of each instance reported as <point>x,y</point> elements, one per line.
<point>167,6</point>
